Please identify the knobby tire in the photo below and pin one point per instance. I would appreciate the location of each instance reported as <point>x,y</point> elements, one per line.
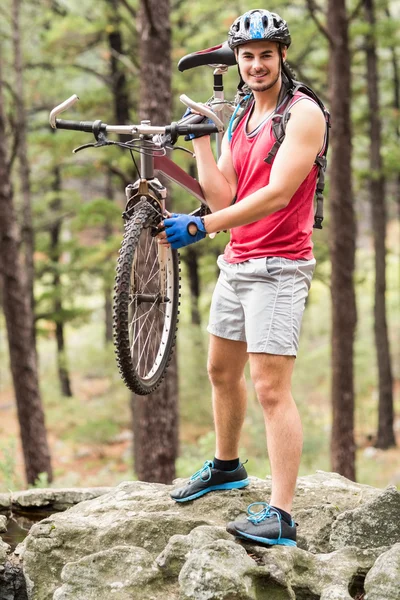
<point>143,380</point>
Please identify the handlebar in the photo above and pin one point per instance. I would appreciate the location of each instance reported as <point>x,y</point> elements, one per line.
<point>175,129</point>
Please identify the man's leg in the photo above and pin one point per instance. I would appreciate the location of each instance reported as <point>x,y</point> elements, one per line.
<point>272,376</point>
<point>226,362</point>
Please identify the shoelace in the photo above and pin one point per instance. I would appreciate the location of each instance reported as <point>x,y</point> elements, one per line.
<point>266,512</point>
<point>206,468</point>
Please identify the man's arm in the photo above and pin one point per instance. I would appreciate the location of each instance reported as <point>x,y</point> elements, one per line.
<point>218,182</point>
<point>294,160</point>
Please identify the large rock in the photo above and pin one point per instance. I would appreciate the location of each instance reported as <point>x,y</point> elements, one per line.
<point>3,524</point>
<point>12,581</point>
<point>376,523</point>
<point>180,548</point>
<point>304,575</point>
<point>383,580</point>
<point>54,499</point>
<point>101,548</point>
<point>219,571</point>
<point>4,550</point>
<point>123,571</point>
<point>134,514</point>
<point>5,502</point>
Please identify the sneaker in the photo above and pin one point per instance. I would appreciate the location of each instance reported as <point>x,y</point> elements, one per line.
<point>209,479</point>
<point>264,527</point>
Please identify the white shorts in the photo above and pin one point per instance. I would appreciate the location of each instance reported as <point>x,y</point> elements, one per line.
<point>261,301</point>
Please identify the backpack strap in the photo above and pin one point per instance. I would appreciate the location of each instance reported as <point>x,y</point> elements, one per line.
<point>279,122</point>
<point>238,114</point>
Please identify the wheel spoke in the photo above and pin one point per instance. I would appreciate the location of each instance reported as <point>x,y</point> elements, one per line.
<point>144,348</point>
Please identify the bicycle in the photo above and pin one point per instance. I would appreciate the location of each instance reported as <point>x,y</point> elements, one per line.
<point>146,292</point>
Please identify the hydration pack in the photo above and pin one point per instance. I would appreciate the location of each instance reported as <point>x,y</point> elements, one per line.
<point>280,119</point>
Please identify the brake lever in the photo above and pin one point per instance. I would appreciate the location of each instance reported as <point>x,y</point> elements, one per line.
<point>102,141</point>
<point>79,148</point>
<point>183,149</point>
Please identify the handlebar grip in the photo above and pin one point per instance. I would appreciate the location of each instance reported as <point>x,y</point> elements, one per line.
<point>205,129</point>
<point>78,125</point>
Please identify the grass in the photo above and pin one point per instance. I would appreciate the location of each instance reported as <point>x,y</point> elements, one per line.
<point>83,429</point>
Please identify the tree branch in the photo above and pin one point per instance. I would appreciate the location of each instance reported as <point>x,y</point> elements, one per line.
<point>116,171</point>
<point>149,16</point>
<point>304,79</point>
<point>176,5</point>
<point>53,67</point>
<point>129,8</point>
<point>132,66</point>
<point>6,15</point>
<point>14,150</point>
<point>312,9</point>
<point>355,12</point>
<point>48,225</point>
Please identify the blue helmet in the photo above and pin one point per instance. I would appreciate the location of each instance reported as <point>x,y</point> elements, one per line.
<point>257,25</point>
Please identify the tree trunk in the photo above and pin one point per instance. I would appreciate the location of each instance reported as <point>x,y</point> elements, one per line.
<point>21,131</point>
<point>342,245</point>
<point>121,116</point>
<point>19,320</point>
<point>155,417</point>
<point>190,258</point>
<point>386,436</point>
<point>107,276</point>
<point>118,78</point>
<point>396,106</point>
<point>55,230</point>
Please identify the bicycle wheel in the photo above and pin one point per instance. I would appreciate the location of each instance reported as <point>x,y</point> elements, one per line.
<point>146,302</point>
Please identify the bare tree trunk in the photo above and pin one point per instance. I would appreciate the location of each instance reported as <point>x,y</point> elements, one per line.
<point>155,417</point>
<point>121,107</point>
<point>118,78</point>
<point>19,320</point>
<point>342,245</point>
<point>396,106</point>
<point>27,227</point>
<point>191,259</point>
<point>386,436</point>
<point>107,277</point>
<point>55,231</point>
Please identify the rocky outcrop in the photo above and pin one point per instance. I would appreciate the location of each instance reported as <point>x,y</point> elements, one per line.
<point>53,500</point>
<point>383,580</point>
<point>135,542</point>
<point>12,581</point>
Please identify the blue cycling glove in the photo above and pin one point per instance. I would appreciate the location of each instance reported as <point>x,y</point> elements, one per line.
<point>177,230</point>
<point>201,120</point>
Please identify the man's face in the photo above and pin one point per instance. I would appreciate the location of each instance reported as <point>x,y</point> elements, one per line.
<point>259,64</point>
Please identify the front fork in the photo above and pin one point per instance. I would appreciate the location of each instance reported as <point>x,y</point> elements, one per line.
<point>154,194</point>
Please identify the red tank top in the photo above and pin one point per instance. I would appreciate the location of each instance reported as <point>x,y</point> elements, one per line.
<point>285,233</point>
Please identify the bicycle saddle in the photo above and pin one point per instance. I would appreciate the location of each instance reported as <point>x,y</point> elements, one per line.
<point>217,55</point>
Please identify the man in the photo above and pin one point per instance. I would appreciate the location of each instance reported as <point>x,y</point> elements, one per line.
<point>266,273</point>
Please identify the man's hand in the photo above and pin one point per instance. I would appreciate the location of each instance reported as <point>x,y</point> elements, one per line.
<point>201,119</point>
<point>182,230</point>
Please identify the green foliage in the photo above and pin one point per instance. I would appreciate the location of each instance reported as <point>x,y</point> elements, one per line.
<point>95,431</point>
<point>41,482</point>
<point>9,478</point>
